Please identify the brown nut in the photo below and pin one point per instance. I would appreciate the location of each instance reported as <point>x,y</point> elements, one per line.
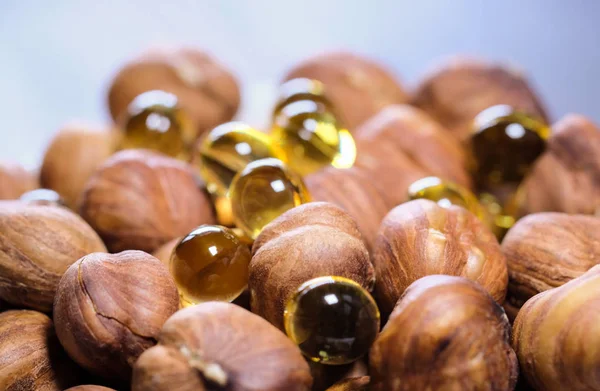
<point>357,86</point>
<point>205,89</point>
<point>546,250</point>
<point>89,388</point>
<point>567,177</point>
<point>420,238</point>
<point>14,181</point>
<point>30,356</point>
<point>312,240</point>
<point>37,245</point>
<point>353,190</point>
<point>216,345</point>
<point>352,384</point>
<point>325,376</point>
<point>457,90</point>
<point>556,336</point>
<point>71,158</point>
<point>163,253</point>
<point>140,200</point>
<point>445,333</point>
<point>109,308</point>
<point>409,133</point>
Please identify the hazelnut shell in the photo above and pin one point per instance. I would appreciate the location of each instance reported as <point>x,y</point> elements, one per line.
<point>419,238</point>
<point>223,344</point>
<point>109,308</point>
<point>445,333</point>
<point>14,181</point>
<point>352,384</point>
<point>38,243</point>
<point>90,388</point>
<point>312,240</point>
<point>140,200</point>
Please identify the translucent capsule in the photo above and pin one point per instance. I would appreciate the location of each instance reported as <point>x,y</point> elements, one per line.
<point>210,263</point>
<point>305,127</point>
<point>446,193</point>
<point>43,197</point>
<point>332,319</point>
<point>227,149</point>
<point>155,121</point>
<point>505,144</point>
<point>301,89</point>
<point>263,191</point>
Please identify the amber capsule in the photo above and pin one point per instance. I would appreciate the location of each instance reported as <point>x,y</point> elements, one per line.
<point>311,136</point>
<point>210,263</point>
<point>227,149</point>
<point>155,121</point>
<point>301,89</point>
<point>263,191</point>
<point>332,319</point>
<point>505,144</point>
<point>43,197</point>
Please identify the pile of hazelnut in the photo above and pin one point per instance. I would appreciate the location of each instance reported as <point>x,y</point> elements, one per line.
<point>372,239</point>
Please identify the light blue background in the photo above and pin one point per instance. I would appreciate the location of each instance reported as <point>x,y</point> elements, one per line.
<point>57,56</point>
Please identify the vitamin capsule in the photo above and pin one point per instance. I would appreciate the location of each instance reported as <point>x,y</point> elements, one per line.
<point>155,121</point>
<point>301,89</point>
<point>210,263</point>
<point>263,191</point>
<point>332,319</point>
<point>309,133</point>
<point>43,197</point>
<point>227,149</point>
<point>505,144</point>
<point>446,193</point>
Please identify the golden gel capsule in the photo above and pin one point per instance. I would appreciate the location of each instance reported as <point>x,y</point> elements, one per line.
<point>263,191</point>
<point>305,127</point>
<point>155,121</point>
<point>210,263</point>
<point>332,319</point>
<point>227,149</point>
<point>301,89</point>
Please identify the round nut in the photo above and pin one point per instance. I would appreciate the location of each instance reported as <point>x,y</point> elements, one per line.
<point>109,308</point>
<point>445,333</point>
<point>209,345</point>
<point>556,336</point>
<point>71,158</point>
<point>38,243</point>
<point>30,356</point>
<point>14,181</point>
<point>457,90</point>
<point>352,384</point>
<point>312,240</point>
<point>357,86</point>
<point>163,253</point>
<point>90,388</point>
<point>205,89</point>
<point>140,200</point>
<point>420,237</point>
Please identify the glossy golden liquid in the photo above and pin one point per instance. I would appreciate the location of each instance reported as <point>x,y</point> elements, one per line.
<point>332,319</point>
<point>210,263</point>
<point>263,191</point>
<point>155,121</point>
<point>227,149</point>
<point>305,127</point>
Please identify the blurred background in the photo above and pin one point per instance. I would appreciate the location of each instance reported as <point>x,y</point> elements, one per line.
<point>57,57</point>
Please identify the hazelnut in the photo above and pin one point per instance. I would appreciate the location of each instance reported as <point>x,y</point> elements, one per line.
<point>312,240</point>
<point>163,253</point>
<point>30,356</point>
<point>357,86</point>
<point>325,376</point>
<point>420,237</point>
<point>89,388</point>
<point>567,177</point>
<point>205,89</point>
<point>546,250</point>
<point>109,308</point>
<point>556,336</point>
<point>445,333</point>
<point>14,181</point>
<point>457,90</point>
<point>140,200</point>
<point>416,140</point>
<point>352,384</point>
<point>38,243</point>
<point>216,345</point>
<point>351,189</point>
<point>71,158</point>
